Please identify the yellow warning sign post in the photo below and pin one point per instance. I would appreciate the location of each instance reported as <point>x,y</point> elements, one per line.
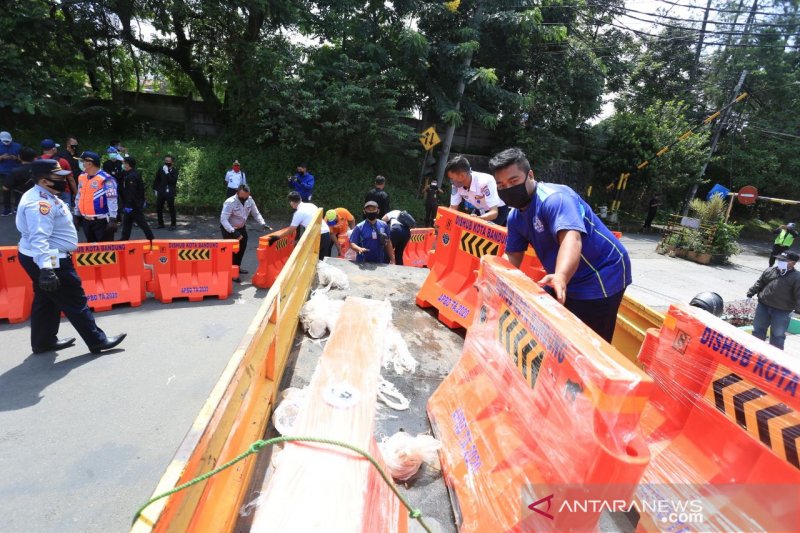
<point>429,138</point>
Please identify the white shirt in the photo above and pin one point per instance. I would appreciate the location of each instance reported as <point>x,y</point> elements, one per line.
<point>392,216</point>
<point>482,193</point>
<point>234,179</point>
<point>45,224</point>
<point>305,215</point>
<point>234,214</point>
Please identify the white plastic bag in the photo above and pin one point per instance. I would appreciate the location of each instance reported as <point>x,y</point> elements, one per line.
<point>397,354</point>
<point>319,314</point>
<point>286,413</point>
<point>331,277</point>
<point>388,394</point>
<point>404,454</point>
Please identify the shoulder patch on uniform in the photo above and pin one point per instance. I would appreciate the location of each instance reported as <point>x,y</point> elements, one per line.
<point>44,208</point>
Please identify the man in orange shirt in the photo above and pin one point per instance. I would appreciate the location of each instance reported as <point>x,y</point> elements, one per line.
<point>340,221</point>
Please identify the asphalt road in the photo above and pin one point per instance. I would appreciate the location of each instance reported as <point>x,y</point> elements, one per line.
<point>84,439</point>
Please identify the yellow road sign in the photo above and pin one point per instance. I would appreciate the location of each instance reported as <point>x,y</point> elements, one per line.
<point>429,138</point>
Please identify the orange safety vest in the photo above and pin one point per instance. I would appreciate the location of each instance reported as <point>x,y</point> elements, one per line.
<point>87,187</point>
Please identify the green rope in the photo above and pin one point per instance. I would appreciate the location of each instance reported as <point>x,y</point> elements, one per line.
<point>259,445</point>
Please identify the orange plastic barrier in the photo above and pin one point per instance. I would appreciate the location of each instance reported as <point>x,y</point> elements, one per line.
<point>724,424</point>
<point>112,273</point>
<point>461,241</point>
<point>272,256</point>
<point>16,289</point>
<point>419,247</point>
<point>537,412</point>
<point>192,269</point>
<point>617,234</point>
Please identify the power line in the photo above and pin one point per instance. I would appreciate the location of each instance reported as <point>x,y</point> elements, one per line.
<point>656,16</point>
<point>719,10</point>
<point>686,28</point>
<point>781,133</point>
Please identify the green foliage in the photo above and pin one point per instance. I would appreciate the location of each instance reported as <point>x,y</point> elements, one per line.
<point>725,243</point>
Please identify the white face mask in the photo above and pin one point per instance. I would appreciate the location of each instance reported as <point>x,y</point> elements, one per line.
<point>782,266</point>
<point>80,165</point>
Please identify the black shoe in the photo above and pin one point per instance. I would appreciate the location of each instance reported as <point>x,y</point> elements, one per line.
<point>160,226</point>
<point>59,345</point>
<point>237,279</point>
<point>109,343</point>
<point>172,228</point>
<point>243,271</point>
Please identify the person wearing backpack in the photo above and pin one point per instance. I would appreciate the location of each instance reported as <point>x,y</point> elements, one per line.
<point>400,224</point>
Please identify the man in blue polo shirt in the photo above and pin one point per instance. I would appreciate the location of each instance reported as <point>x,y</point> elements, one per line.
<point>587,268</point>
<point>370,238</point>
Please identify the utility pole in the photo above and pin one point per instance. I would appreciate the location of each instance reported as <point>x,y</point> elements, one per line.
<point>700,44</point>
<point>714,140</point>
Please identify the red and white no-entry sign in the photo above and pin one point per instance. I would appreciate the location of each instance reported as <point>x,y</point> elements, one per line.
<point>747,195</point>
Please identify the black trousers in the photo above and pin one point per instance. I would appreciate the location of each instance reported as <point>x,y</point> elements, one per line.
<point>230,192</point>
<point>170,201</point>
<point>96,230</point>
<point>137,216</point>
<point>69,299</point>
<point>237,257</point>
<point>324,245</point>
<point>400,235</point>
<point>430,214</point>
<point>599,314</point>
<point>651,214</point>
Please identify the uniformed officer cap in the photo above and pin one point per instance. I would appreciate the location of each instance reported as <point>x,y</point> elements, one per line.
<point>91,156</point>
<point>45,167</point>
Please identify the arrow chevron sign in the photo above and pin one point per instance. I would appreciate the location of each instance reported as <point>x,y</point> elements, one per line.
<point>96,258</point>
<point>196,254</point>
<point>478,246</point>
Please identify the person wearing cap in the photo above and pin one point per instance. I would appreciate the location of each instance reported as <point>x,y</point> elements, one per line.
<point>48,238</point>
<point>49,151</point>
<point>785,236</point>
<point>399,233</point>
<point>379,195</point>
<point>340,221</point>
<point>233,221</point>
<point>370,238</point>
<point>96,201</point>
<point>166,188</point>
<point>234,178</point>
<point>9,160</point>
<point>302,182</point>
<point>133,201</point>
<point>588,269</point>
<point>778,291</point>
<point>304,213</point>
<point>432,192</point>
<point>477,188</point>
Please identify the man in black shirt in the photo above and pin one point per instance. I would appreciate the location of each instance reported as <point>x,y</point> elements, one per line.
<point>166,187</point>
<point>20,180</point>
<point>379,196</point>
<point>133,201</point>
<point>70,153</point>
<point>652,209</point>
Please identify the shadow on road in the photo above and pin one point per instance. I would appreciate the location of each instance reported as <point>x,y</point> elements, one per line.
<point>22,386</point>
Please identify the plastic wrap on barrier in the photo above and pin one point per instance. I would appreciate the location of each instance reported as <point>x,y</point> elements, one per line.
<point>724,427</point>
<point>16,289</point>
<point>272,256</point>
<point>538,413</point>
<point>419,247</point>
<point>112,273</point>
<point>192,269</point>
<point>317,487</point>
<point>531,266</point>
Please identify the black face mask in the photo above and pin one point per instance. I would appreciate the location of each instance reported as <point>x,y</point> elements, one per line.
<point>59,185</point>
<point>371,216</point>
<point>516,196</point>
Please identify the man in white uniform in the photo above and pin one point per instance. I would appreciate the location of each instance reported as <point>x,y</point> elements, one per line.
<point>477,188</point>
<point>304,213</point>
<point>233,178</point>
